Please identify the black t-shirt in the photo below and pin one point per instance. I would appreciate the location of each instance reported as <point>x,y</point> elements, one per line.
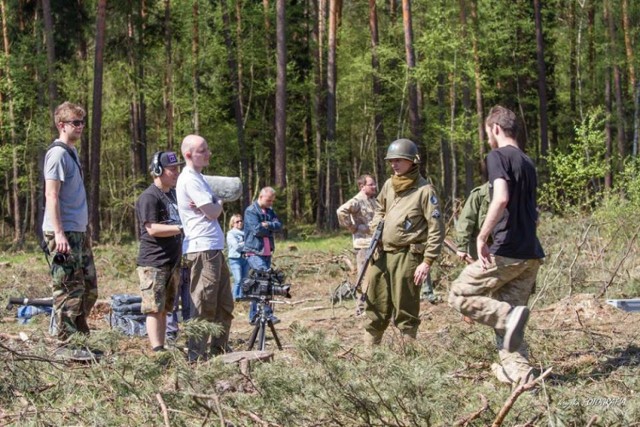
<point>157,207</point>
<point>514,235</point>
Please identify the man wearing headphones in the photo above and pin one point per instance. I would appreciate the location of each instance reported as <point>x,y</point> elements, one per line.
<point>160,245</point>
<point>411,241</point>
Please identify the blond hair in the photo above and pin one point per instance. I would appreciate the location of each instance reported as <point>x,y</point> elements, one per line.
<point>68,111</point>
<point>232,220</point>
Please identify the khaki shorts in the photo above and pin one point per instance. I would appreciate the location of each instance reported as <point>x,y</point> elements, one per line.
<point>158,288</point>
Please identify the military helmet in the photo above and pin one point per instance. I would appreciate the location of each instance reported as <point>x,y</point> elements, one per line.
<point>403,149</point>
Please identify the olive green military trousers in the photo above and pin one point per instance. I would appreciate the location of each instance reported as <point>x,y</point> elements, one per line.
<point>392,294</point>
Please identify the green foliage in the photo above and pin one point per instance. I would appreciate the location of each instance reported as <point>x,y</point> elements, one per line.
<point>575,176</point>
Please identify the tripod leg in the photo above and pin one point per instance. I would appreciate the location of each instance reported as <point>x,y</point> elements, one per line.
<point>262,339</point>
<point>254,334</point>
<point>275,335</point>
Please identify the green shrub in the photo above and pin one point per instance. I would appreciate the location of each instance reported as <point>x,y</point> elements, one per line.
<point>575,176</point>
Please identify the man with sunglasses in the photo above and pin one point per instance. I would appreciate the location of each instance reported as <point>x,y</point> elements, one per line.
<point>73,272</point>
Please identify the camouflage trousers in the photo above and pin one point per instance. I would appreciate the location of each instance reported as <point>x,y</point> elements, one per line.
<point>487,295</point>
<point>74,284</point>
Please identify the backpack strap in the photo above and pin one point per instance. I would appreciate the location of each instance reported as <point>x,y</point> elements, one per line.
<point>68,150</point>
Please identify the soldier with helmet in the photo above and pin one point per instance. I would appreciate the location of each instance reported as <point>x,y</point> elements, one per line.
<point>411,241</point>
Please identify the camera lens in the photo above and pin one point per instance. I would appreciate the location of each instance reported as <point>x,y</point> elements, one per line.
<point>59,258</point>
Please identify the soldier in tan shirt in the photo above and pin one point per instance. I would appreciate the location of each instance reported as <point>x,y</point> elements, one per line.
<point>411,242</point>
<point>356,215</point>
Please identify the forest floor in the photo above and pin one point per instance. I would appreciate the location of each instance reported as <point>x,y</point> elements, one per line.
<point>592,347</point>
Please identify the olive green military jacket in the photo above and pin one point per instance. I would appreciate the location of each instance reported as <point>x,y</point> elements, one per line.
<point>411,219</point>
<point>356,215</point>
<point>471,218</point>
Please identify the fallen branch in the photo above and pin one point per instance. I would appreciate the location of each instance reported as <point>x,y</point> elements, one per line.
<point>515,395</point>
<point>21,356</point>
<point>212,397</point>
<point>466,420</point>
<point>256,418</point>
<point>592,421</point>
<point>304,300</point>
<point>165,414</point>
<point>314,308</point>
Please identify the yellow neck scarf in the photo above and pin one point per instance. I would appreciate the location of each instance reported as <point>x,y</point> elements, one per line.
<point>404,182</point>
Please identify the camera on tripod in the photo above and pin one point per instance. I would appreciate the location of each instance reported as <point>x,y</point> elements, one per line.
<point>265,284</point>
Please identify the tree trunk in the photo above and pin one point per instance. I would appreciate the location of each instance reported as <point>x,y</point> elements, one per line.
<point>393,11</point>
<point>573,66</point>
<point>319,103</point>
<point>281,95</point>
<point>633,86</point>
<point>18,235</point>
<point>445,151</point>
<point>378,124</point>
<point>237,103</point>
<point>195,76</point>
<point>51,55</point>
<point>466,106</point>
<point>415,123</point>
<point>96,122</point>
<point>542,80</point>
<point>453,173</point>
<point>134,52</point>
<point>617,84</point>
<point>608,177</point>
<point>331,222</point>
<point>478,86</point>
<point>168,74</point>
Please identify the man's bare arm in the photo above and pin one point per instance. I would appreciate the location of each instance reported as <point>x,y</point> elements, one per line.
<point>497,206</point>
<point>52,205</point>
<point>212,210</point>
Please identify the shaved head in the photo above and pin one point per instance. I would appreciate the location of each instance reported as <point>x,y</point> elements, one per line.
<point>189,142</point>
<point>195,151</point>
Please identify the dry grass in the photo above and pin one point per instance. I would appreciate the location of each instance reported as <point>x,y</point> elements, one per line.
<point>324,376</point>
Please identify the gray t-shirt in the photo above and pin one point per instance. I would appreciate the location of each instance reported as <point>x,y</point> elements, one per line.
<point>72,198</point>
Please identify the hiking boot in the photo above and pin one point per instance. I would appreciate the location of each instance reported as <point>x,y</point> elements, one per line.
<point>274,320</point>
<point>514,330</point>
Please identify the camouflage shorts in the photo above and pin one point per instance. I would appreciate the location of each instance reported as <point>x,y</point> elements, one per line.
<point>158,288</point>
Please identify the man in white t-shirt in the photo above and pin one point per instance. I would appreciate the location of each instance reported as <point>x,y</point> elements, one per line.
<point>202,246</point>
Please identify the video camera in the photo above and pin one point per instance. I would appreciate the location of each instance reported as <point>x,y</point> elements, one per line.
<point>265,284</point>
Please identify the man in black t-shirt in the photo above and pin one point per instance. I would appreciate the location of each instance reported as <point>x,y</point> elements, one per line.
<point>160,245</point>
<point>495,289</point>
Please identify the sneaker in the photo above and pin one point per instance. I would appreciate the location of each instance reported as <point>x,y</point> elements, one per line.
<point>514,331</point>
<point>77,354</point>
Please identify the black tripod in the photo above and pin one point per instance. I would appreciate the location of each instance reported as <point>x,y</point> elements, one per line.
<point>260,330</point>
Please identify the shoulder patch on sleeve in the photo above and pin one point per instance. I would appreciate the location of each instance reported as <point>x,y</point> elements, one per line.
<point>435,213</point>
<point>434,200</point>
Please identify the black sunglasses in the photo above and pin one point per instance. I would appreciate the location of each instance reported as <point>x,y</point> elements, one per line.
<point>75,123</point>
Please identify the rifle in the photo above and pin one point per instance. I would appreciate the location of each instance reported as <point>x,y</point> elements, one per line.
<point>375,240</point>
<point>454,248</point>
